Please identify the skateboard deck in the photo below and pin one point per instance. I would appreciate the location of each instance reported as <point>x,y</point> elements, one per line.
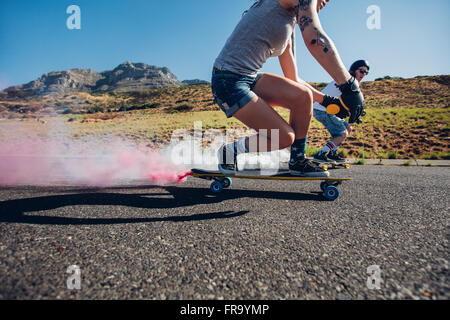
<point>329,185</point>
<point>332,165</point>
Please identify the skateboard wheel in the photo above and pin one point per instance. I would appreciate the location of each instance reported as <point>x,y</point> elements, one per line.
<point>347,166</point>
<point>226,183</point>
<point>323,185</point>
<point>331,193</point>
<point>216,186</point>
<point>325,167</point>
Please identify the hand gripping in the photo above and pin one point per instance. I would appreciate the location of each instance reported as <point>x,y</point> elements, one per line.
<point>352,99</point>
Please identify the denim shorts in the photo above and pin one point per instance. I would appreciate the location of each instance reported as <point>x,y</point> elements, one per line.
<point>335,126</point>
<point>232,91</point>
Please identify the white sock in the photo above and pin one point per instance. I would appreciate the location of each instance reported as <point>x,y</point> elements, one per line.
<point>328,147</point>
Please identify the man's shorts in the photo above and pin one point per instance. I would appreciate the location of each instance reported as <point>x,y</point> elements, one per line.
<point>232,91</point>
<point>335,126</point>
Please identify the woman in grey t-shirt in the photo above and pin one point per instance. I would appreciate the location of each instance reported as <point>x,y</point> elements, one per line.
<point>265,31</point>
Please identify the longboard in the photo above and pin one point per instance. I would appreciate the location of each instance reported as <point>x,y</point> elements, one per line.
<point>331,164</point>
<point>329,185</point>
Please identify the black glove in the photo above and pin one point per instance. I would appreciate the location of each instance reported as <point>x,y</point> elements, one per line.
<point>352,99</point>
<point>363,114</point>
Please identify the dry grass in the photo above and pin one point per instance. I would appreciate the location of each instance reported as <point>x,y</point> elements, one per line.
<point>406,117</point>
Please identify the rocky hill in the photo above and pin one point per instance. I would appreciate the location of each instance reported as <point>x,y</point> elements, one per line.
<point>125,77</point>
<point>194,82</point>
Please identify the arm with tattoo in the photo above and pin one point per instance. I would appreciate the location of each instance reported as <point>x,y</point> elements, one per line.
<point>317,41</point>
<point>351,101</point>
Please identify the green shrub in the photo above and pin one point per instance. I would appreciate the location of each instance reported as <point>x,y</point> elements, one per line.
<point>139,107</point>
<point>382,155</point>
<point>343,152</point>
<point>95,109</point>
<point>437,155</point>
<point>309,151</point>
<point>75,118</point>
<point>392,155</point>
<point>183,107</point>
<point>432,156</point>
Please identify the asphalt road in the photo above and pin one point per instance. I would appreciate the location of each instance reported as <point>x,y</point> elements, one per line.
<point>257,240</point>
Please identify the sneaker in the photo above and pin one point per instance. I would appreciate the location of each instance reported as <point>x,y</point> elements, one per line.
<point>223,166</point>
<point>306,168</point>
<point>322,157</point>
<point>336,157</point>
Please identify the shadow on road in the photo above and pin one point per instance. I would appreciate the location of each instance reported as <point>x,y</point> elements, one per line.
<point>14,211</point>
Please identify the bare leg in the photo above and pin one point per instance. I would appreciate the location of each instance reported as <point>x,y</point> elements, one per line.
<point>258,115</point>
<point>340,139</point>
<point>272,90</point>
<point>280,91</point>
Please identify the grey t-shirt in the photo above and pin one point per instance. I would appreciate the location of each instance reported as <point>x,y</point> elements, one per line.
<point>263,32</point>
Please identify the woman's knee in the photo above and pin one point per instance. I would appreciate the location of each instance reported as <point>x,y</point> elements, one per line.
<point>286,137</point>
<point>281,137</point>
<point>303,99</point>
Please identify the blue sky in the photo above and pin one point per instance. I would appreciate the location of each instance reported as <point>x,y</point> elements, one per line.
<point>186,36</point>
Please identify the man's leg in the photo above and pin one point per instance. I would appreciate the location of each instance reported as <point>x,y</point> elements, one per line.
<point>338,141</point>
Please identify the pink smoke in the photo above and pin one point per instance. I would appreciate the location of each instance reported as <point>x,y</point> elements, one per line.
<point>22,161</point>
<point>34,161</point>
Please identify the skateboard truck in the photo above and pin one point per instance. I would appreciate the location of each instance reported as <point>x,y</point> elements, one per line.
<point>334,165</point>
<point>329,186</point>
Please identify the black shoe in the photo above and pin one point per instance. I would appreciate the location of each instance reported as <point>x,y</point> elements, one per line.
<point>306,168</point>
<point>334,156</point>
<point>227,161</point>
<point>322,157</point>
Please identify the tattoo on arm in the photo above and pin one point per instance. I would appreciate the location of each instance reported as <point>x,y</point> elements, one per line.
<point>301,13</point>
<point>304,22</point>
<point>302,5</point>
<point>321,40</point>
